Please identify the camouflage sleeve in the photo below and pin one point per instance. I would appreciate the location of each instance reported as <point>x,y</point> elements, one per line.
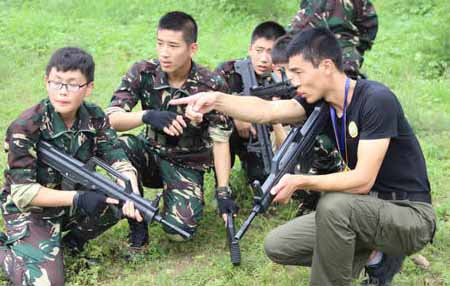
<point>310,14</point>
<point>223,79</point>
<point>20,145</point>
<point>367,23</point>
<point>127,94</point>
<point>220,125</point>
<point>108,145</point>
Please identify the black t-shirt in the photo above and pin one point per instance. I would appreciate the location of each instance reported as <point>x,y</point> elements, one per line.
<point>375,113</point>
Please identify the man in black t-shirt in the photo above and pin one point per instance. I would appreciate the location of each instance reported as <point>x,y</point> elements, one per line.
<point>376,211</point>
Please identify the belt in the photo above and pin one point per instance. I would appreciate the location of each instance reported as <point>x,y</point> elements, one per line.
<point>410,196</point>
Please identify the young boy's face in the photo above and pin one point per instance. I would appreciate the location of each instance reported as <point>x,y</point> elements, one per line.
<point>67,90</point>
<point>173,52</point>
<point>260,55</point>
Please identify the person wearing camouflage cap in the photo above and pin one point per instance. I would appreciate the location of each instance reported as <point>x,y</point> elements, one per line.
<point>36,205</point>
<point>354,22</point>
<point>172,152</point>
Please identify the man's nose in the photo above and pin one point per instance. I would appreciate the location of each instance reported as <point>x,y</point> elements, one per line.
<point>265,57</point>
<point>164,52</point>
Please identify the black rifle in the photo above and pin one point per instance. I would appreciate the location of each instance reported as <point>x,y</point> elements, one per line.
<point>282,89</point>
<point>84,175</point>
<point>296,149</point>
<point>233,243</point>
<point>263,147</point>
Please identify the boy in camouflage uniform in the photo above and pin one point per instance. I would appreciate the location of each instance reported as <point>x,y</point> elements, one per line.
<point>35,208</point>
<point>259,52</point>
<point>173,152</point>
<point>354,22</point>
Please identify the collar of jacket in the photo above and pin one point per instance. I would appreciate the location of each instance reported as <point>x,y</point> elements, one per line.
<point>55,125</point>
<point>162,79</point>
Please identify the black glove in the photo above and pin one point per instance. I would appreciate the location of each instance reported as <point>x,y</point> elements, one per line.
<point>158,119</point>
<point>90,203</point>
<point>225,202</point>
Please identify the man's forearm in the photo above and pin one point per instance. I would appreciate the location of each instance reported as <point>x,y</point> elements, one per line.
<point>257,110</point>
<point>124,121</point>
<point>349,182</point>
<point>244,108</point>
<point>53,198</point>
<point>222,162</point>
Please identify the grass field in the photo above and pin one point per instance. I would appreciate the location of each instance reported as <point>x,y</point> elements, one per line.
<point>411,56</point>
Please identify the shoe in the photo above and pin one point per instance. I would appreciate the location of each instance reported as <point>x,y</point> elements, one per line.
<point>137,239</point>
<point>383,273</point>
<point>73,243</point>
<point>138,234</point>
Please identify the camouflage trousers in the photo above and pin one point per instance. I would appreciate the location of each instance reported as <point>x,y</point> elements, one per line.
<point>31,250</point>
<point>182,186</point>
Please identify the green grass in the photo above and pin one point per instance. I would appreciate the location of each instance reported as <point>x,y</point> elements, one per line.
<point>410,55</point>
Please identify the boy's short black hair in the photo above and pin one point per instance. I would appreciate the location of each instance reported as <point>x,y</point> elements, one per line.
<point>279,50</point>
<point>316,45</point>
<point>180,21</point>
<point>269,30</point>
<point>70,59</point>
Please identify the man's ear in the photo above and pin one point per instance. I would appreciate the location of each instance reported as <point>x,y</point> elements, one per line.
<point>194,49</point>
<point>89,89</point>
<point>328,66</point>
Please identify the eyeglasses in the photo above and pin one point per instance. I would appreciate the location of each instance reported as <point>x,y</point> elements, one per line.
<point>56,85</point>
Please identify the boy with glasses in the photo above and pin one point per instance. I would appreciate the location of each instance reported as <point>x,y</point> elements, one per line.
<point>36,207</point>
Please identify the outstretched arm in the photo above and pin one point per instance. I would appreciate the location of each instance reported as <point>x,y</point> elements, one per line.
<point>245,108</point>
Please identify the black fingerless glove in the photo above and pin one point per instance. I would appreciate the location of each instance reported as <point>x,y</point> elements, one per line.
<point>225,202</point>
<point>158,119</point>
<point>89,203</point>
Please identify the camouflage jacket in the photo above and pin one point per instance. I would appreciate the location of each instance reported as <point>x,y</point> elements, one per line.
<point>147,83</point>
<point>354,22</point>
<point>90,135</point>
<point>234,80</point>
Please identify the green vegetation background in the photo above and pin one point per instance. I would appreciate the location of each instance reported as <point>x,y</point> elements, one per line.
<point>410,55</point>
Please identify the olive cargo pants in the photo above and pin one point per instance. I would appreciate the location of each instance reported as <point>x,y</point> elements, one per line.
<point>338,238</point>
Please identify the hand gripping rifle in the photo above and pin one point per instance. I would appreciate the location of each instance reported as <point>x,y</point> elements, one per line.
<point>297,148</point>
<point>84,175</point>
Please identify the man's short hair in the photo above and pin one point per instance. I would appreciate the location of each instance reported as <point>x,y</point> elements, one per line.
<point>279,50</point>
<point>269,30</point>
<point>316,45</point>
<point>180,21</point>
<point>71,59</point>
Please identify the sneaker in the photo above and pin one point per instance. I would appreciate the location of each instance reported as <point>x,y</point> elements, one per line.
<point>381,274</point>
